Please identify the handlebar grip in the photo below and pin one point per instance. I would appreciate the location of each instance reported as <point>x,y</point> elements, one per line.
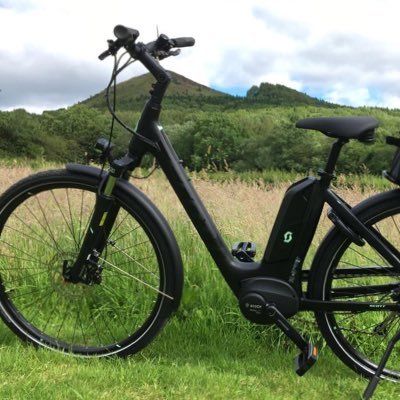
<point>183,42</point>
<point>123,33</point>
<point>104,55</point>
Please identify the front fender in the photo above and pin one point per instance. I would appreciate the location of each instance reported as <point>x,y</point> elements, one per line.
<point>87,170</point>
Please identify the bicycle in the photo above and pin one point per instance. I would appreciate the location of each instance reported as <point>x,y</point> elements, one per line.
<point>106,273</point>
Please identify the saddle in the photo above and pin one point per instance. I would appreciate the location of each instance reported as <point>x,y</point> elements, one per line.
<point>360,128</point>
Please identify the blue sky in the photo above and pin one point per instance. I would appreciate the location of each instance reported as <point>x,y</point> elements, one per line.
<point>233,90</point>
<point>344,51</point>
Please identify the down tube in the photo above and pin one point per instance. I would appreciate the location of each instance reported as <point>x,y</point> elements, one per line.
<point>232,270</point>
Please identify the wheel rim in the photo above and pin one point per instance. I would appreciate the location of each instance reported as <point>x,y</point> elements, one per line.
<point>364,336</point>
<point>44,231</point>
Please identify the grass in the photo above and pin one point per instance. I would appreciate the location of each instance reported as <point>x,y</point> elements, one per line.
<point>208,351</point>
<point>182,363</point>
<point>271,178</point>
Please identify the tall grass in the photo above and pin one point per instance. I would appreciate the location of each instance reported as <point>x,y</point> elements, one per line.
<point>208,350</point>
<point>271,178</point>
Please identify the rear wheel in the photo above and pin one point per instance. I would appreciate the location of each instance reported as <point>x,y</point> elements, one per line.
<point>344,271</point>
<point>43,221</point>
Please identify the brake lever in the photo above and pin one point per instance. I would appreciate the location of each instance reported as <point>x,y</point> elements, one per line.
<point>113,47</point>
<point>175,52</point>
<point>164,54</point>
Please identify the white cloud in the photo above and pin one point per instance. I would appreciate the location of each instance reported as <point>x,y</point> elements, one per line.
<point>342,95</point>
<point>391,102</point>
<point>339,50</point>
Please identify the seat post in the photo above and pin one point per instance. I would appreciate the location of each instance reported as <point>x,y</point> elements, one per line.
<point>329,172</point>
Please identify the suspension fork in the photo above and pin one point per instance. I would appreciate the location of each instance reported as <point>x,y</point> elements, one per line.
<point>86,268</point>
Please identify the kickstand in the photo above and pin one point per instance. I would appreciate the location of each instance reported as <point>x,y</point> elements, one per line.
<point>375,379</point>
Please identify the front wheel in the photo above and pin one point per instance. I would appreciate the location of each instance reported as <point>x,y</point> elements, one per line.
<point>343,271</point>
<point>43,220</point>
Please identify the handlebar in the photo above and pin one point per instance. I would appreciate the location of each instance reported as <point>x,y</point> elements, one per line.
<point>149,55</point>
<point>160,48</point>
<point>183,42</point>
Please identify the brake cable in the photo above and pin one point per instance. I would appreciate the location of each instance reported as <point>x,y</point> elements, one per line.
<point>112,108</point>
<point>159,49</point>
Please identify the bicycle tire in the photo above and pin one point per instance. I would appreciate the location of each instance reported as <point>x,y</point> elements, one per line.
<point>360,338</point>
<point>43,219</point>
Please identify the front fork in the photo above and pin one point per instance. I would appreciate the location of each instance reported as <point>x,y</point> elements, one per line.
<point>86,268</point>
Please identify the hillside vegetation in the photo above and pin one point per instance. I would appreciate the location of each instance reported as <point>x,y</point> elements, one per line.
<point>210,130</point>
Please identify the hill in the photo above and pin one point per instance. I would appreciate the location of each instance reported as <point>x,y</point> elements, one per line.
<point>187,94</point>
<point>269,93</point>
<point>131,94</point>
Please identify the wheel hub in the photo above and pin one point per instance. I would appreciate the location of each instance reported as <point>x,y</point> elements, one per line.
<point>61,285</point>
<point>89,273</point>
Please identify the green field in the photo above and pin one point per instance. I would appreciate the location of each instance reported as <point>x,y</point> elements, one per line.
<point>208,350</point>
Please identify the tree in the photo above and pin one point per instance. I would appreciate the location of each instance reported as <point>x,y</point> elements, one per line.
<point>216,142</point>
<point>80,125</point>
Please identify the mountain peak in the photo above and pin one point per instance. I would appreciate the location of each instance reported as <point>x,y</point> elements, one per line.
<point>132,93</point>
<point>278,94</point>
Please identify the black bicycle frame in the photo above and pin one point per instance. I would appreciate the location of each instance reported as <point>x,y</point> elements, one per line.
<point>293,230</point>
<point>297,219</point>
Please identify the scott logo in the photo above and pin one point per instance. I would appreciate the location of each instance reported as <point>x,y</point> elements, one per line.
<point>288,237</point>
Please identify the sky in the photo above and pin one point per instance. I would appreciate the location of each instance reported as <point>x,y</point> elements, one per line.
<point>346,52</point>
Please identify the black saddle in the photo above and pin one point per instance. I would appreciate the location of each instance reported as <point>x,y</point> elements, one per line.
<point>361,128</point>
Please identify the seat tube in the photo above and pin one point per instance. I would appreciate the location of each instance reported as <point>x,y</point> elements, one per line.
<point>334,155</point>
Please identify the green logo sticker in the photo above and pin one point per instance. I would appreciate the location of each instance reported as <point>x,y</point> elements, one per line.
<point>288,237</point>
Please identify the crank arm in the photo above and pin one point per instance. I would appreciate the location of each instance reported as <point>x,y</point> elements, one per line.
<point>309,353</point>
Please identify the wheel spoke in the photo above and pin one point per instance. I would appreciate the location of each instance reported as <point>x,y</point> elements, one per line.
<point>136,279</point>
<point>70,227</point>
<point>49,234</point>
<point>22,251</point>
<point>37,239</point>
<point>125,234</point>
<point>119,250</point>
<point>22,278</point>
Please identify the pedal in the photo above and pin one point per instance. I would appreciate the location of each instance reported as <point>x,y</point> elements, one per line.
<point>306,359</point>
<point>244,251</point>
<point>309,353</point>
